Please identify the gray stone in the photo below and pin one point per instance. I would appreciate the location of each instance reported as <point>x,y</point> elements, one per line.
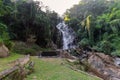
<point>4,52</point>
<point>96,62</point>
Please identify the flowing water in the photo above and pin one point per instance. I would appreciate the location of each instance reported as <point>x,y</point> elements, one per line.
<point>68,36</point>
<point>117,61</point>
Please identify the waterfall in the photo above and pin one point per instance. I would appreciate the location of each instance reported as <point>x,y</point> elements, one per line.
<point>68,36</point>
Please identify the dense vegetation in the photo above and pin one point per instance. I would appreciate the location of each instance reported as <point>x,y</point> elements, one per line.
<point>26,28</point>
<point>97,24</point>
<point>24,19</point>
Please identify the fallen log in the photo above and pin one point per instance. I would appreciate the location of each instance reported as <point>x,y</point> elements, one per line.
<point>18,64</point>
<point>8,71</point>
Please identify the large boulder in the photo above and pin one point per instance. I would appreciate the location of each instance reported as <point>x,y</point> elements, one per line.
<point>104,65</point>
<point>96,62</point>
<point>4,52</point>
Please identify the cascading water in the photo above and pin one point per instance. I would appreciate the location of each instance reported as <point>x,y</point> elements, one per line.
<point>117,61</point>
<point>68,36</point>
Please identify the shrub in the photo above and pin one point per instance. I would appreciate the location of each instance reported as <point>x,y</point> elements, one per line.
<point>104,46</point>
<point>30,51</point>
<point>96,48</point>
<point>116,53</point>
<point>84,42</point>
<point>1,41</point>
<point>9,44</point>
<point>23,48</point>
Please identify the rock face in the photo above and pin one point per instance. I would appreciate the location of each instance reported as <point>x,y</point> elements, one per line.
<point>101,65</point>
<point>4,52</point>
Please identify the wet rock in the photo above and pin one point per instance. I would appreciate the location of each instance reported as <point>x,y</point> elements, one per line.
<point>115,79</point>
<point>103,65</point>
<point>96,62</point>
<point>83,55</point>
<point>105,57</point>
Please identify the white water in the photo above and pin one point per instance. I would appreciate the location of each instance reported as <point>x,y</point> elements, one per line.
<point>117,61</point>
<point>68,35</point>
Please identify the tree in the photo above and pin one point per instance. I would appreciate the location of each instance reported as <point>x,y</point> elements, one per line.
<point>97,23</point>
<point>27,18</point>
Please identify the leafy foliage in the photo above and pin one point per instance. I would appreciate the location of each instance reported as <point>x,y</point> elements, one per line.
<point>25,48</point>
<point>27,18</point>
<point>97,25</point>
<point>96,22</point>
<point>4,35</point>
